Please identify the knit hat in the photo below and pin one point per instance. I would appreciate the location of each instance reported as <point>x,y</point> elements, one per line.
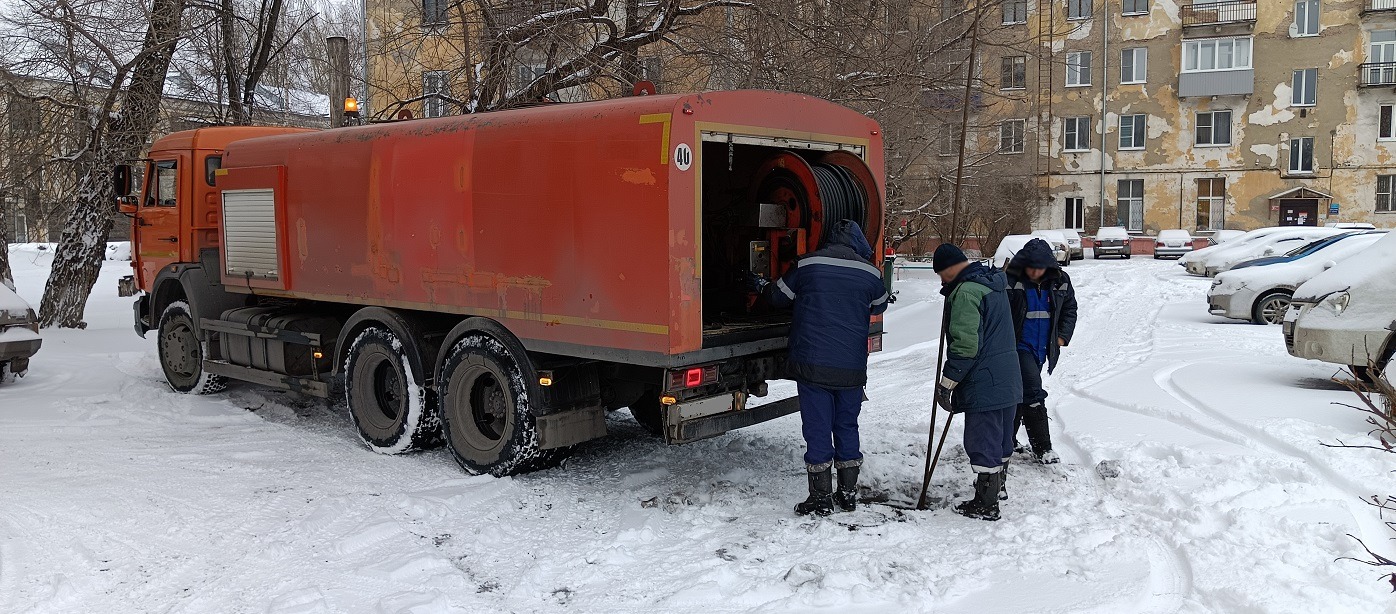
<point>946,256</point>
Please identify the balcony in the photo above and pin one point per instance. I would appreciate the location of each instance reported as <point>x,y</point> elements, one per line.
<point>1222,13</point>
<point>1216,83</point>
<point>1376,73</point>
<point>1379,6</point>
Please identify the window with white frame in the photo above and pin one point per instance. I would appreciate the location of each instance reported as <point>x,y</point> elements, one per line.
<point>1078,68</point>
<point>1015,11</point>
<point>1385,203</point>
<point>1078,9</point>
<point>1013,74</point>
<point>1208,54</point>
<point>1386,131</point>
<point>1129,196</point>
<point>1134,65</point>
<point>1132,131</point>
<point>1077,134</point>
<point>1381,58</point>
<point>1301,155</point>
<point>1305,84</point>
<point>1135,7</point>
<point>435,89</point>
<point>1213,128</point>
<point>1306,14</point>
<point>1211,204</point>
<point>1075,213</point>
<point>1011,135</point>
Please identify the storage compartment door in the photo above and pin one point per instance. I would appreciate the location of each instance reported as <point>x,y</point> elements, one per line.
<point>251,242</point>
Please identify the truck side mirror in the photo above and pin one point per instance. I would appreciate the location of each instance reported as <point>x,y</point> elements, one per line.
<point>121,180</point>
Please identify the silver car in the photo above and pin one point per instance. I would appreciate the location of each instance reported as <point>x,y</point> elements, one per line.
<point>1172,244</point>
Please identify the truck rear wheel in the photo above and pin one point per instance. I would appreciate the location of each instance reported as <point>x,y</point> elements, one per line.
<point>485,408</point>
<point>393,411</point>
<point>182,353</point>
<point>648,411</point>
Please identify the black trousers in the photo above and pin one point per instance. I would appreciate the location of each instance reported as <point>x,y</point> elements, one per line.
<point>1033,412</point>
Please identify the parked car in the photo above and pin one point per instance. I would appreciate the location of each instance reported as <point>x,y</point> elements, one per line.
<point>1193,262</point>
<point>19,334</point>
<point>1345,315</point>
<point>1303,250</point>
<point>1261,293</point>
<point>1011,244</point>
<point>1172,243</point>
<point>1222,236</point>
<point>1112,241</point>
<point>1351,225</point>
<point>1277,243</point>
<point>1057,240</point>
<point>1073,242</point>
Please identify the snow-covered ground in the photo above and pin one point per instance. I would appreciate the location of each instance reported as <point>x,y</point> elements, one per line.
<point>117,495</point>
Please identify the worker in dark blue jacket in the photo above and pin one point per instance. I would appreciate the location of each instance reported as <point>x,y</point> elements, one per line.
<point>1044,315</point>
<point>981,376</point>
<point>834,291</point>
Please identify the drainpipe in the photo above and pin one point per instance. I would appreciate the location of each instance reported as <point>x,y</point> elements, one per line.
<point>1104,100</point>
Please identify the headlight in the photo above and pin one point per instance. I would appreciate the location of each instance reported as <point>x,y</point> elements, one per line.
<point>1338,301</point>
<point>1216,282</point>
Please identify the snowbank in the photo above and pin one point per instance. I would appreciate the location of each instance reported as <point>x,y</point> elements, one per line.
<point>116,250</point>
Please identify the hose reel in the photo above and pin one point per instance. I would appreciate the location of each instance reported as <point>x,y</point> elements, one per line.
<point>814,196</point>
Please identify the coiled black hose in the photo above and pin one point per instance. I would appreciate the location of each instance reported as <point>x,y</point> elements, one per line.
<point>841,195</point>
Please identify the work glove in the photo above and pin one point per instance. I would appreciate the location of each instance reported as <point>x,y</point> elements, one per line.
<point>756,283</point>
<point>892,298</point>
<point>945,395</point>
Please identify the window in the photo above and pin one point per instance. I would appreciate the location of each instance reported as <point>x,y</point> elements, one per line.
<point>434,90</point>
<point>1385,204</point>
<point>1385,130</point>
<point>1306,18</point>
<point>651,69</point>
<point>1014,73</point>
<point>21,228</point>
<point>211,166</point>
<point>1011,135</point>
<point>1211,204</point>
<point>1134,65</point>
<point>434,11</point>
<point>1136,7</point>
<point>948,140</point>
<point>1132,131</point>
<point>1078,9</point>
<point>1213,128</point>
<point>1078,68</point>
<point>1075,210</point>
<point>1301,155</point>
<point>1130,196</point>
<point>1078,133</point>
<point>1381,59</point>
<point>165,187</point>
<point>528,73</point>
<point>1305,87</point>
<point>1217,54</point>
<point>1015,11</point>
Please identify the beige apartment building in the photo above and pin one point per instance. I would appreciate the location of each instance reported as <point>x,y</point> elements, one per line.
<point>1205,115</point>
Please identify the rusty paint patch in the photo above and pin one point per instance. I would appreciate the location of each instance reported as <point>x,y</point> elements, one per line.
<point>639,176</point>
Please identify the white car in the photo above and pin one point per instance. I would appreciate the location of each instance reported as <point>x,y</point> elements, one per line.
<point>1347,314</point>
<point>1269,245</point>
<point>1351,225</point>
<point>1175,243</point>
<point>19,334</point>
<point>1011,244</point>
<point>1073,243</point>
<point>1058,241</point>
<point>1193,261</point>
<point>1261,293</point>
<point>1222,236</point>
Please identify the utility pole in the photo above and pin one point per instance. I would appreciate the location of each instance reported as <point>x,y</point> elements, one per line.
<point>964,126</point>
<point>338,54</point>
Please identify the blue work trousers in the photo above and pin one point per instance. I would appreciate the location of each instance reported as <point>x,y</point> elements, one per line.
<point>830,414</point>
<point>989,438</point>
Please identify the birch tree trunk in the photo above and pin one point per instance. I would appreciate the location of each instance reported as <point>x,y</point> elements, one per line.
<point>82,246</point>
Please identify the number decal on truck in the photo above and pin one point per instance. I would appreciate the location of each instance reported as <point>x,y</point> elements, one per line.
<point>683,156</point>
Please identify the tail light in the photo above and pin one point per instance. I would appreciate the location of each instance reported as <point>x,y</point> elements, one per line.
<point>1158,244</point>
<point>874,343</point>
<point>693,377</point>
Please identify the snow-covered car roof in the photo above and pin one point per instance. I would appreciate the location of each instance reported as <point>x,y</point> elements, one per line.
<point>1174,234</point>
<point>11,302</point>
<point>1276,242</point>
<point>1372,272</point>
<point>1112,232</point>
<point>1233,242</point>
<point>1293,273</point>
<point>1009,246</point>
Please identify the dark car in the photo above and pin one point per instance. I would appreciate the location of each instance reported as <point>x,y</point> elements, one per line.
<point>19,334</point>
<point>1112,241</point>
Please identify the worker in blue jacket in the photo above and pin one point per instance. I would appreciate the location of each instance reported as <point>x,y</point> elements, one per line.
<point>1043,303</point>
<point>981,377</point>
<point>834,291</point>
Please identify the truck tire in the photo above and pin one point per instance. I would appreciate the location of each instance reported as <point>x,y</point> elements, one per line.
<point>392,409</point>
<point>1270,308</point>
<point>182,353</point>
<point>648,412</point>
<point>486,413</point>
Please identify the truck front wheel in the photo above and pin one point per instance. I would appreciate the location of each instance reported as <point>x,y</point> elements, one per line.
<point>486,412</point>
<point>393,411</point>
<point>182,353</point>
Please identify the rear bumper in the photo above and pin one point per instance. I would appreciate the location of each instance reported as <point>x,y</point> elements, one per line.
<point>701,419</point>
<point>12,350</point>
<point>1111,250</point>
<point>1175,252</point>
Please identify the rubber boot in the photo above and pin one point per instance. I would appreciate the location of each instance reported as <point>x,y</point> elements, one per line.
<point>847,496</point>
<point>1003,483</point>
<point>985,504</point>
<point>1039,434</point>
<point>821,491</point>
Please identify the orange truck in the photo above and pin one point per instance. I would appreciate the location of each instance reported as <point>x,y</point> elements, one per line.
<point>497,282</point>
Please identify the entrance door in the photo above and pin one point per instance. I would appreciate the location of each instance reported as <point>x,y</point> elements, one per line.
<point>157,221</point>
<point>1299,212</point>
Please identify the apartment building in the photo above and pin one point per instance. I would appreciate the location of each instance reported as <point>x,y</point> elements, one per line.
<point>1205,115</point>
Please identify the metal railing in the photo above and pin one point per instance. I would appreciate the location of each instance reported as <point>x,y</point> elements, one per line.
<point>1373,6</point>
<point>1377,73</point>
<point>1216,13</point>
